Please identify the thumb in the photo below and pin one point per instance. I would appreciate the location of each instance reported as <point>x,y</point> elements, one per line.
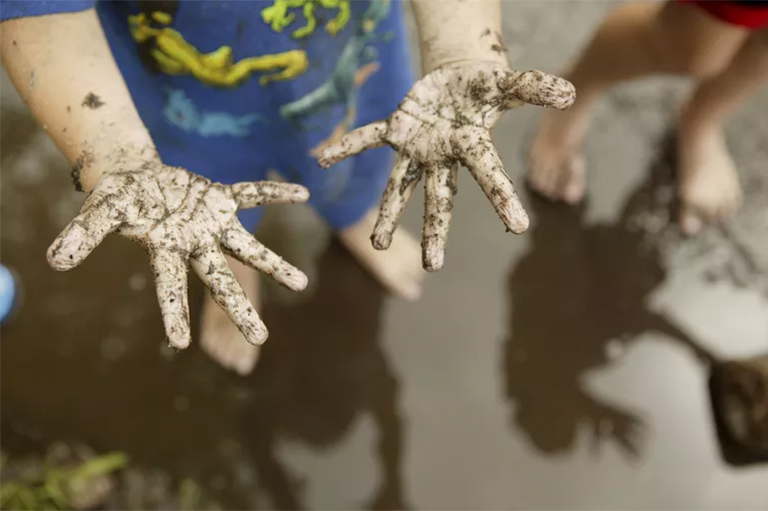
<point>537,88</point>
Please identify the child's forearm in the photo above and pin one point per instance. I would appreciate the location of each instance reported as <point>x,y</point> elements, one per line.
<point>63,68</point>
<point>459,31</point>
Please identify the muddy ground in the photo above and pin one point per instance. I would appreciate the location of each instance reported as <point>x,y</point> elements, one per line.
<point>559,369</point>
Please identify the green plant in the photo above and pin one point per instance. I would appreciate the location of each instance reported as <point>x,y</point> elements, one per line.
<point>55,487</point>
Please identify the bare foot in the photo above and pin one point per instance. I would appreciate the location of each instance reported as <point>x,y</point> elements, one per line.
<point>555,162</point>
<point>219,337</point>
<point>709,184</point>
<point>398,268</point>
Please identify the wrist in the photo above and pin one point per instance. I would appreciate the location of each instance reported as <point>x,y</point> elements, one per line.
<point>492,51</point>
<point>92,164</point>
<point>459,61</point>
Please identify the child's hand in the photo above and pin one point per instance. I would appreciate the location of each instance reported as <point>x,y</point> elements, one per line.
<point>444,121</point>
<point>182,218</point>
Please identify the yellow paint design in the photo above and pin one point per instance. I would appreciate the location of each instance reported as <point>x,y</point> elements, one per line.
<point>176,56</point>
<point>278,16</point>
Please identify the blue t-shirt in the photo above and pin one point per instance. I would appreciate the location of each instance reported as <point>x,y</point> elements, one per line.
<point>230,89</point>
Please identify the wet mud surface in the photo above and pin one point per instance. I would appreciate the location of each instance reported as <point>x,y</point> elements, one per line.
<point>565,368</point>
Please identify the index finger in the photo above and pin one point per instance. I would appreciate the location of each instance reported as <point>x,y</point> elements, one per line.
<point>538,88</point>
<point>252,194</point>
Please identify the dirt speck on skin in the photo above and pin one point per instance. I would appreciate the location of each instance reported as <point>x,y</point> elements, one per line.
<point>451,184</point>
<point>92,101</point>
<point>84,159</point>
<point>499,46</point>
<point>478,89</point>
<point>414,172</point>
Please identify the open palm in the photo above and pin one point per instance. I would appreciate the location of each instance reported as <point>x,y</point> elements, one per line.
<point>182,218</point>
<point>445,121</point>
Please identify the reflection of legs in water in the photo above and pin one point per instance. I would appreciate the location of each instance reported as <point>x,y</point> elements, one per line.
<point>323,374</point>
<point>635,40</point>
<point>398,268</point>
<point>272,474</point>
<point>709,185</point>
<point>390,447</point>
<point>578,289</point>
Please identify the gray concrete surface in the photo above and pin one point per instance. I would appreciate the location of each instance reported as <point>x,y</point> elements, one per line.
<point>552,370</point>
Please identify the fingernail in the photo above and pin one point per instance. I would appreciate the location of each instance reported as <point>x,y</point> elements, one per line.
<point>257,335</point>
<point>297,281</point>
<point>519,224</point>
<point>381,241</point>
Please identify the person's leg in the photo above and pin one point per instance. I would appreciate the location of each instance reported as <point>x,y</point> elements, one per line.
<point>398,268</point>
<point>637,39</point>
<point>709,186</point>
<point>346,196</point>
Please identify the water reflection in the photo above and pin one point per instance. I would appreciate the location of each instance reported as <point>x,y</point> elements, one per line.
<point>323,369</point>
<point>577,296</point>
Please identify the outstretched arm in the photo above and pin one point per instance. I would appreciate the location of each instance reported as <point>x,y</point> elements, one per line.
<point>446,119</point>
<point>456,31</point>
<point>64,70</point>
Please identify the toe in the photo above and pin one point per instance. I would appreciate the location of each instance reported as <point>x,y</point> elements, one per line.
<point>691,222</point>
<point>540,180</point>
<point>574,183</point>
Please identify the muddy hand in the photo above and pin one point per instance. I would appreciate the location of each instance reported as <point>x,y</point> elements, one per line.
<point>444,122</point>
<point>182,218</point>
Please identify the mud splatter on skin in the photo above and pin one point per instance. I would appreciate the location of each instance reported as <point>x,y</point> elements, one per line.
<point>92,101</point>
<point>85,159</point>
<point>180,219</point>
<point>450,183</point>
<point>479,88</point>
<point>499,46</point>
<point>445,120</point>
<point>412,176</point>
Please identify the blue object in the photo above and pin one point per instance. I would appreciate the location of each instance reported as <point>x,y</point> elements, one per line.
<point>357,70</point>
<point>7,292</point>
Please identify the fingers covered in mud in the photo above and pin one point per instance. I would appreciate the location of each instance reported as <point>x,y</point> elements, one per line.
<point>253,194</point>
<point>83,234</point>
<point>241,245</point>
<point>538,88</point>
<point>481,159</point>
<point>170,271</point>
<point>405,174</point>
<point>211,266</point>
<point>438,209</point>
<point>370,136</point>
